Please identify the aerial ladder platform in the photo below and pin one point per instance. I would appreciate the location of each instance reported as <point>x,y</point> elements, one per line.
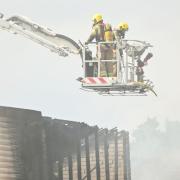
<point>120,75</point>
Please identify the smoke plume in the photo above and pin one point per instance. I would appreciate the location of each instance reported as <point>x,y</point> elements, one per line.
<point>155,154</point>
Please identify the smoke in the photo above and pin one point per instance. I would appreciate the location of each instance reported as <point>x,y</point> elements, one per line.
<point>155,154</point>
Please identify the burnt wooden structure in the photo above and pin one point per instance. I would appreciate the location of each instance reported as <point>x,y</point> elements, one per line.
<point>21,148</point>
<point>90,153</point>
<point>33,147</point>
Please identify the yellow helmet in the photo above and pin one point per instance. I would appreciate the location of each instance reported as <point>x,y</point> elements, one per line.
<point>123,26</point>
<point>97,18</point>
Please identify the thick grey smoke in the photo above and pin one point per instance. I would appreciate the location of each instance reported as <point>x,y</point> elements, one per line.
<point>155,154</point>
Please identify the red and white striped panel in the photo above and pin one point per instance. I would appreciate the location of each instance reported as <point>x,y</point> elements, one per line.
<point>98,80</point>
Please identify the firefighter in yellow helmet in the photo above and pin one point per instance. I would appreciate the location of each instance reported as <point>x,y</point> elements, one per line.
<point>97,29</point>
<point>97,34</point>
<point>119,33</point>
<point>121,29</point>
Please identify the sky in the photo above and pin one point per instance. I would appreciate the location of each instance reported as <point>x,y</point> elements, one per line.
<point>32,77</point>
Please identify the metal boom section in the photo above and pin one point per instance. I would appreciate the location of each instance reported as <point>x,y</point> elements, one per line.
<point>57,43</point>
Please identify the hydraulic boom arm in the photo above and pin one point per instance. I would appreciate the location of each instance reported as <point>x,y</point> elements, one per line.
<point>57,43</point>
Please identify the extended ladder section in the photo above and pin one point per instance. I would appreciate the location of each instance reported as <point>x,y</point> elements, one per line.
<point>57,43</point>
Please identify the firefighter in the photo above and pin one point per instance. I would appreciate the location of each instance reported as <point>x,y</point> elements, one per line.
<point>121,30</point>
<point>119,34</point>
<point>108,35</point>
<point>108,69</point>
<point>97,29</point>
<point>97,34</point>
